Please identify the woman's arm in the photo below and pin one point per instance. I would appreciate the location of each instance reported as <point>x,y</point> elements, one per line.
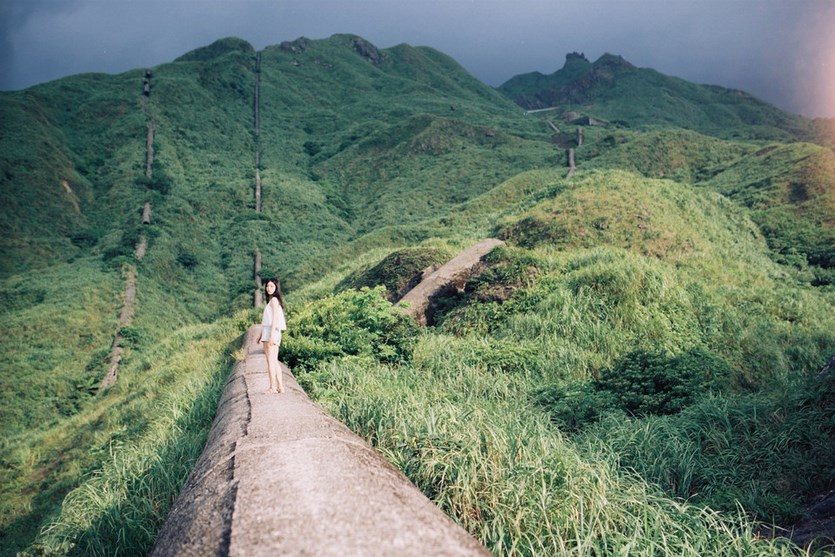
<point>274,325</point>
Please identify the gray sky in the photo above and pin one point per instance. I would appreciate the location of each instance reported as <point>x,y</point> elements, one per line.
<point>782,51</point>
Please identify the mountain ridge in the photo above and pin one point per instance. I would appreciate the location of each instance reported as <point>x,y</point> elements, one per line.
<point>601,87</point>
<point>681,231</point>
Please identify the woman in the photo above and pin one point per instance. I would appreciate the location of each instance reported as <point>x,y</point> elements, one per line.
<point>272,324</point>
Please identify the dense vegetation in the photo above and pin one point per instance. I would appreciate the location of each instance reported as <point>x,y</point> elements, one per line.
<point>634,372</point>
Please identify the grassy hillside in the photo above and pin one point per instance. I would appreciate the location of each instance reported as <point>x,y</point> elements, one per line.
<point>541,337</point>
<point>791,193</point>
<point>789,188</point>
<point>54,167</point>
<point>74,157</point>
<point>613,89</point>
<point>691,250</point>
<point>412,134</point>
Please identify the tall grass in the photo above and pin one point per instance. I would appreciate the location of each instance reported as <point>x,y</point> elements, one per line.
<point>472,441</point>
<point>764,453</point>
<point>147,432</point>
<point>362,158</point>
<point>462,421</point>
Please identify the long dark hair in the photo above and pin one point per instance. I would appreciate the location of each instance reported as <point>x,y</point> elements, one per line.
<point>276,294</point>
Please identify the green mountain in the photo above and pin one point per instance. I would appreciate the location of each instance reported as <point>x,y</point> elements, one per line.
<point>641,357</point>
<point>613,89</point>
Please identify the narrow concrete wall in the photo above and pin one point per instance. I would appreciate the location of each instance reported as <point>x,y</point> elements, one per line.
<point>125,316</point>
<point>258,189</point>
<point>278,476</point>
<point>257,94</point>
<point>257,295</point>
<point>571,166</point>
<point>259,285</point>
<point>149,149</point>
<point>146,213</point>
<point>418,302</point>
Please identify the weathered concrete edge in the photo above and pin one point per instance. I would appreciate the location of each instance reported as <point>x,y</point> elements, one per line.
<point>200,520</point>
<point>205,517</point>
<point>457,270</point>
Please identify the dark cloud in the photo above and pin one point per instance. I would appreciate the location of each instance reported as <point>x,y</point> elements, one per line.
<point>778,50</point>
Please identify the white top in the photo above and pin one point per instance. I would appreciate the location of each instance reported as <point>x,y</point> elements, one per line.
<point>267,319</point>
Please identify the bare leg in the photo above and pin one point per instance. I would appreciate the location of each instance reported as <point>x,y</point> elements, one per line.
<point>279,372</point>
<point>269,352</point>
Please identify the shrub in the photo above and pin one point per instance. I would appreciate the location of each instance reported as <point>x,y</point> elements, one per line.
<point>653,383</point>
<point>124,249</point>
<point>490,296</point>
<point>86,238</point>
<point>574,405</point>
<point>351,323</point>
<point>533,230</point>
<point>399,271</point>
<point>640,383</point>
<point>132,336</point>
<point>159,182</point>
<point>312,148</point>
<point>187,259</point>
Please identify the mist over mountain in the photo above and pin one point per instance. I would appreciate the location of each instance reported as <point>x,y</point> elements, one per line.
<point>677,283</point>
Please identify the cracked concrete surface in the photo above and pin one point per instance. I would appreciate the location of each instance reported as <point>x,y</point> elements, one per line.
<point>279,476</point>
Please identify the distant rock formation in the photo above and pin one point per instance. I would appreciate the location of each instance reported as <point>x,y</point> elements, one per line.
<point>575,83</point>
<point>368,51</point>
<point>573,57</point>
<point>299,45</point>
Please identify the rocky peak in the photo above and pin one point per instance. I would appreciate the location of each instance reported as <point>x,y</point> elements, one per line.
<point>299,45</point>
<point>368,51</point>
<point>575,58</point>
<point>216,50</point>
<point>612,62</point>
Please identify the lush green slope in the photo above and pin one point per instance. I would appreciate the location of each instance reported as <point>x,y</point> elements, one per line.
<point>410,134</point>
<point>791,193</point>
<point>374,164</point>
<point>790,189</point>
<point>677,277</point>
<point>56,139</point>
<point>613,89</point>
<point>74,156</point>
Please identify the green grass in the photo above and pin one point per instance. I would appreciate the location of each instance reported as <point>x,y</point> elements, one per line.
<point>790,194</point>
<point>115,467</point>
<point>471,440</point>
<point>675,154</point>
<point>611,89</point>
<point>760,452</point>
<point>58,326</point>
<point>694,223</point>
<point>692,483</point>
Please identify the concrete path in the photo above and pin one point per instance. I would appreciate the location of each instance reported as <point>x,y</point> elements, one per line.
<point>278,476</point>
<point>451,276</point>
